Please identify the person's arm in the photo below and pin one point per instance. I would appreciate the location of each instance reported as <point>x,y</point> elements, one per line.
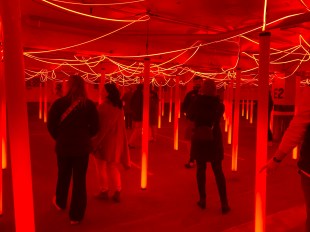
<point>53,119</point>
<point>295,132</point>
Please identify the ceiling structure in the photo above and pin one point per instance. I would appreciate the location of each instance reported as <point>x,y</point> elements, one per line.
<point>185,38</point>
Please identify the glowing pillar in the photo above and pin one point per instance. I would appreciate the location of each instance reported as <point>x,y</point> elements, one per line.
<point>45,101</point>
<point>17,113</point>
<point>176,114</point>
<point>261,131</point>
<point>230,105</point>
<point>242,111</point>
<point>248,105</point>
<point>40,101</point>
<point>163,103</point>
<point>170,105</point>
<point>297,97</point>
<point>145,123</point>
<point>252,108</point>
<point>2,122</point>
<point>101,84</point>
<point>235,139</point>
<point>159,106</point>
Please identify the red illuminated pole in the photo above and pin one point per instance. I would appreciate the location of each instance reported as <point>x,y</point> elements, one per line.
<point>45,101</point>
<point>176,113</point>
<point>170,105</point>
<point>145,123</point>
<point>2,123</point>
<point>261,132</point>
<point>248,104</point>
<point>163,103</point>
<point>252,108</point>
<point>297,97</point>
<point>40,101</point>
<point>242,112</point>
<point>226,107</point>
<point>159,106</point>
<point>101,84</point>
<point>17,113</point>
<point>230,106</point>
<point>235,139</point>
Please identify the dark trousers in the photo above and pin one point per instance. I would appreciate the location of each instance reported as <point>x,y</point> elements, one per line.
<point>75,166</point>
<point>219,177</point>
<point>305,185</point>
<point>128,120</point>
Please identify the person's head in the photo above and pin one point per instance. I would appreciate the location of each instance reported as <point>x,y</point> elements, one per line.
<point>208,88</point>
<point>197,82</point>
<point>76,88</point>
<point>113,95</point>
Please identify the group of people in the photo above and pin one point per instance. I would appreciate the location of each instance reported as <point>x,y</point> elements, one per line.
<point>80,128</point>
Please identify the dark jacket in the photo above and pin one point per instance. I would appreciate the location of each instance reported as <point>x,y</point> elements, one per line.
<point>188,100</point>
<point>136,105</point>
<point>207,111</point>
<point>73,134</point>
<point>304,158</point>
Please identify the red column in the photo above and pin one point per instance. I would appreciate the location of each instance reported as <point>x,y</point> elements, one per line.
<point>261,132</point>
<point>2,121</point>
<point>235,139</point>
<point>159,106</point>
<point>101,84</point>
<point>145,123</point>
<point>40,100</point>
<point>297,97</point>
<point>45,101</point>
<point>176,113</point>
<point>170,104</point>
<point>17,113</point>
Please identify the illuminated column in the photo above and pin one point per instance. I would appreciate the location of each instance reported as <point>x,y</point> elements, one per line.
<point>261,132</point>
<point>101,84</point>
<point>2,122</point>
<point>226,108</point>
<point>145,123</point>
<point>248,104</point>
<point>45,101</point>
<point>242,112</point>
<point>252,107</point>
<point>176,113</point>
<point>40,100</point>
<point>230,105</point>
<point>235,139</point>
<point>297,97</point>
<point>163,103</point>
<point>170,105</point>
<point>159,106</point>
<point>17,113</point>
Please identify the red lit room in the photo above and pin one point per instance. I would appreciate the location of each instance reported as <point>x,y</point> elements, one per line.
<point>130,151</point>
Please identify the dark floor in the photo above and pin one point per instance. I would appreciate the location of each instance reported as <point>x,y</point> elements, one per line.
<point>169,202</point>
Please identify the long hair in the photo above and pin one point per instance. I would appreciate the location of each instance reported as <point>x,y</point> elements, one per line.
<point>208,88</point>
<point>113,95</point>
<point>76,89</point>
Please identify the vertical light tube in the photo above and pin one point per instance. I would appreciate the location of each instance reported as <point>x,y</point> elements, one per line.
<point>230,104</point>
<point>297,97</point>
<point>2,122</point>
<point>17,113</point>
<point>248,105</point>
<point>40,100</point>
<point>163,103</point>
<point>242,112</point>
<point>252,108</point>
<point>176,114</point>
<point>235,133</point>
<point>261,131</point>
<point>170,105</point>
<point>101,84</point>
<point>45,101</point>
<point>145,123</point>
<point>159,106</point>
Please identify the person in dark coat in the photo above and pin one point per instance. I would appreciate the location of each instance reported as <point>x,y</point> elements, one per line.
<point>185,106</point>
<point>72,121</point>
<point>136,106</point>
<point>207,110</point>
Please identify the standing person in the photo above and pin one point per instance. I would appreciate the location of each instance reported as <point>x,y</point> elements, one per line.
<point>207,111</point>
<point>153,114</point>
<point>136,105</point>
<point>188,100</point>
<point>72,121</point>
<point>298,132</point>
<point>110,144</point>
<point>127,110</point>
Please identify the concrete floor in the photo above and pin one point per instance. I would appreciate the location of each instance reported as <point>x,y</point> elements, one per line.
<point>169,202</point>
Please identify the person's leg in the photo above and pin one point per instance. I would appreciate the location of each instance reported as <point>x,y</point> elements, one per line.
<point>221,185</point>
<point>115,176</point>
<point>305,184</point>
<point>63,180</point>
<point>201,183</point>
<point>79,195</point>
<point>101,167</point>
